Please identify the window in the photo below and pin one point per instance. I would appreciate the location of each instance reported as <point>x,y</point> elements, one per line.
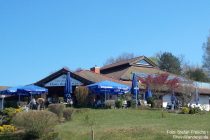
<point>143,62</point>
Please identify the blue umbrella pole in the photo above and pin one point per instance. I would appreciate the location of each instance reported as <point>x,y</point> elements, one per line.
<point>105,95</point>
<point>136,99</point>
<point>19,99</point>
<point>136,88</point>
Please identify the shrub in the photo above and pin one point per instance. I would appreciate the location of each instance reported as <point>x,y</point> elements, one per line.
<point>109,104</point>
<point>57,109</point>
<point>67,113</point>
<point>7,115</point>
<point>185,110</point>
<point>133,103</point>
<point>9,111</point>
<point>81,94</point>
<point>194,110</point>
<point>13,136</point>
<point>118,103</point>
<point>36,123</point>
<point>150,100</point>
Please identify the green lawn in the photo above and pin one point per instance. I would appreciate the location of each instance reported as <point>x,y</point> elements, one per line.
<point>130,124</point>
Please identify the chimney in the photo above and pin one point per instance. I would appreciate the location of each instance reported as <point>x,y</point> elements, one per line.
<point>95,69</point>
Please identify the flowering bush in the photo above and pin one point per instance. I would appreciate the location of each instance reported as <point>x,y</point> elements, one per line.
<point>1,129</point>
<point>7,129</point>
<point>11,111</point>
<point>185,110</point>
<point>7,115</point>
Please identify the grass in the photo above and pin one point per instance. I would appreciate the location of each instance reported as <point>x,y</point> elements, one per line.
<point>129,124</point>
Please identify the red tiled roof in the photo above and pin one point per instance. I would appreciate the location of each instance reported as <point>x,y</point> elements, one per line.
<point>94,77</point>
<point>125,74</point>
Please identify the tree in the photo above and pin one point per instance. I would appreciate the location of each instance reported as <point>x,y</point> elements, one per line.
<point>206,56</point>
<point>186,93</point>
<point>170,63</point>
<point>124,56</point>
<point>160,83</point>
<point>196,74</point>
<point>81,93</point>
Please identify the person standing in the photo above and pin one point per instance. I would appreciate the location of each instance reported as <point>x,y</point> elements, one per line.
<point>33,103</point>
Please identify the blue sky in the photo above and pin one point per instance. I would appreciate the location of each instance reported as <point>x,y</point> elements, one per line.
<point>42,36</point>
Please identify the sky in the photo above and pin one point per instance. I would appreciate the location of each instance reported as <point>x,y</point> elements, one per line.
<point>38,37</point>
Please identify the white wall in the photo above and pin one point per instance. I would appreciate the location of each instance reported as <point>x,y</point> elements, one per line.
<point>203,102</point>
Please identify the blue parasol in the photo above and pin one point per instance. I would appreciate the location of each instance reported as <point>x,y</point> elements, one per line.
<point>108,87</point>
<point>68,87</point>
<point>148,93</point>
<point>135,88</point>
<point>31,89</point>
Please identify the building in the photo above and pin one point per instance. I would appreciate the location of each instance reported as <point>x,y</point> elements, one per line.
<point>123,70</point>
<point>120,72</point>
<point>55,82</point>
<point>142,66</point>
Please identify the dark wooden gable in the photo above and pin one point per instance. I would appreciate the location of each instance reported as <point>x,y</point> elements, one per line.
<point>59,73</point>
<point>143,62</point>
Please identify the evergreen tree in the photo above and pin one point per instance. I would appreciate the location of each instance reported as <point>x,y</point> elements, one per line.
<point>170,63</point>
